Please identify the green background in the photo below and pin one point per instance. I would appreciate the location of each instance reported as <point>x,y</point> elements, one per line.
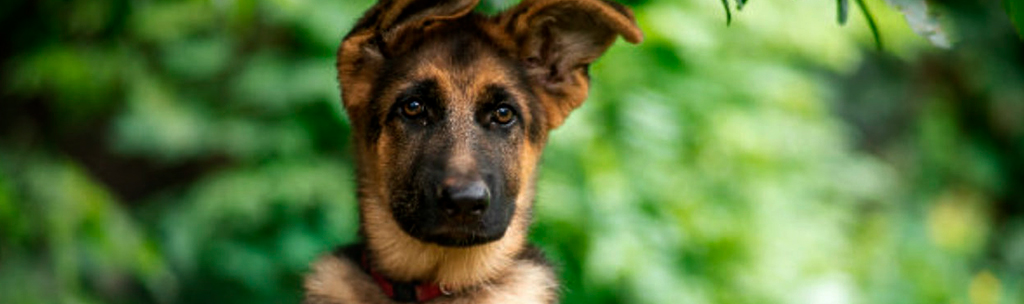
<point>196,152</point>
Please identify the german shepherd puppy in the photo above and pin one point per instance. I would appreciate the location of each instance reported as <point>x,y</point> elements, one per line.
<point>450,111</point>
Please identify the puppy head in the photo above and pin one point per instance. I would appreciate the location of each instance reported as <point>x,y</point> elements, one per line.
<point>452,109</point>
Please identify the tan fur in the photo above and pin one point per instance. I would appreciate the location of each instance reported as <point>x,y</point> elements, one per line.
<point>334,280</point>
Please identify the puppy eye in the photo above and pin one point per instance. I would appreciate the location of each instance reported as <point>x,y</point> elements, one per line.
<point>504,115</point>
<point>413,108</point>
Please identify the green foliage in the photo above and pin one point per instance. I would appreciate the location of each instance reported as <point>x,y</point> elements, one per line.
<point>1015,9</point>
<point>196,152</point>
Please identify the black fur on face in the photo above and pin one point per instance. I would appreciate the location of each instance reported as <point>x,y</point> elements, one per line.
<point>453,118</point>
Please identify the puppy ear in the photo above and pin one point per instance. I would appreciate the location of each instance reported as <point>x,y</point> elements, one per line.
<point>387,29</point>
<point>558,39</point>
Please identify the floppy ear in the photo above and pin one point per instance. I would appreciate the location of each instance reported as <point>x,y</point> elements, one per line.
<point>387,29</point>
<point>558,39</point>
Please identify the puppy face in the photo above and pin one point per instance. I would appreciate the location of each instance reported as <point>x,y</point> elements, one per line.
<point>451,110</point>
<point>454,124</point>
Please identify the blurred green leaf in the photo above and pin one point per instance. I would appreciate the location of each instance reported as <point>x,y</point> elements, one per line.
<point>166,21</point>
<point>82,80</point>
<point>199,59</point>
<point>842,10</point>
<point>1015,9</point>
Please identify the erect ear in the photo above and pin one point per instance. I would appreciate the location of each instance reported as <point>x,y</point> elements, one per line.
<point>387,29</point>
<point>558,39</point>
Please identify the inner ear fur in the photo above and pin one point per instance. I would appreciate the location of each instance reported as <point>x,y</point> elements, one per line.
<point>558,39</point>
<point>386,29</point>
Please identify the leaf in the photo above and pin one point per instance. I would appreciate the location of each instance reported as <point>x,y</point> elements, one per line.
<point>1015,10</point>
<point>728,12</point>
<point>871,23</point>
<point>925,21</point>
<point>740,4</point>
<point>843,8</point>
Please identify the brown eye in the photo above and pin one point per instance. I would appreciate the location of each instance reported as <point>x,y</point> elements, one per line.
<point>413,108</point>
<point>504,115</point>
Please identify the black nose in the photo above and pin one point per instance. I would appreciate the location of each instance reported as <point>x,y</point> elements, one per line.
<point>467,200</point>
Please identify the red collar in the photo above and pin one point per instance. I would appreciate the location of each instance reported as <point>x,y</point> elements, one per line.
<point>403,291</point>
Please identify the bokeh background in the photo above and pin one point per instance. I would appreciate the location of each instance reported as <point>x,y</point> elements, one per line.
<point>196,152</point>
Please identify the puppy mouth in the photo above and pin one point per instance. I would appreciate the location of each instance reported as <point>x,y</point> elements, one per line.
<point>461,235</point>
